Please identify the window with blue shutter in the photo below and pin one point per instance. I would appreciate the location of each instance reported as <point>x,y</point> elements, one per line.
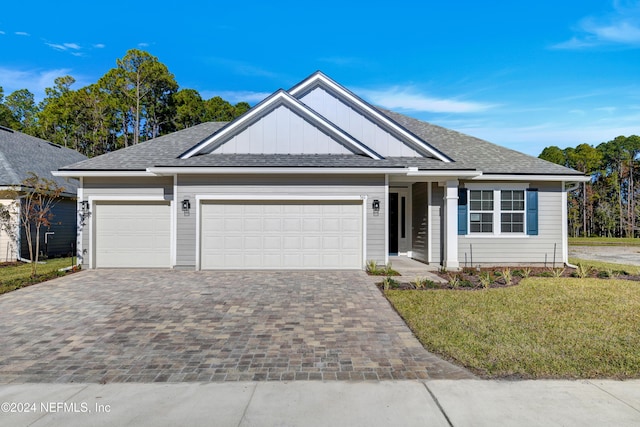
<point>462,211</point>
<point>532,211</point>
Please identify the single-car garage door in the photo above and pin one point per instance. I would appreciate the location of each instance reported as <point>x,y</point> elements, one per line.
<point>133,235</point>
<point>281,235</point>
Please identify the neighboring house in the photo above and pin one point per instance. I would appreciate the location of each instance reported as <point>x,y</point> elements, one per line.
<point>317,178</point>
<point>19,155</point>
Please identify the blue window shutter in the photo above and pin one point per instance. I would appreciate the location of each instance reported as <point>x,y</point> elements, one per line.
<point>532,212</point>
<point>462,211</point>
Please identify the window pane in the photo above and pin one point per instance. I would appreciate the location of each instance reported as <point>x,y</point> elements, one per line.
<point>481,222</point>
<point>512,222</point>
<point>481,200</point>
<point>512,200</point>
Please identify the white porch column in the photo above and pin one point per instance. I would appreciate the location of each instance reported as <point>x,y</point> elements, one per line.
<point>451,225</point>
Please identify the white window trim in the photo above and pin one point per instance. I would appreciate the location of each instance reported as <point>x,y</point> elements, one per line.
<point>497,210</point>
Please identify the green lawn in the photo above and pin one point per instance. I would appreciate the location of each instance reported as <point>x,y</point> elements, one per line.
<point>602,266</point>
<point>542,328</point>
<point>603,241</point>
<point>15,277</point>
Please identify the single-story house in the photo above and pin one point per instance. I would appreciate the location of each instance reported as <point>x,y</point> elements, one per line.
<point>21,154</point>
<point>317,178</point>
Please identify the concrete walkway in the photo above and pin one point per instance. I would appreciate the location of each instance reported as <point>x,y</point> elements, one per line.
<point>315,403</point>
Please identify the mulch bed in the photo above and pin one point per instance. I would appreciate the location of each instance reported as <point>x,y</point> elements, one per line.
<point>477,278</point>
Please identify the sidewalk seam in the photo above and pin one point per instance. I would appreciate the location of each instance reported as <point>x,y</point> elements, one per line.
<point>435,399</point>
<point>66,400</point>
<point>246,408</point>
<point>614,396</point>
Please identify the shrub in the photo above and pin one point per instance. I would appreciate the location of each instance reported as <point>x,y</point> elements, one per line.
<point>526,272</point>
<point>557,272</point>
<point>583,270</point>
<point>389,283</point>
<point>506,275</point>
<point>454,280</point>
<point>422,282</point>
<point>372,267</point>
<point>485,279</point>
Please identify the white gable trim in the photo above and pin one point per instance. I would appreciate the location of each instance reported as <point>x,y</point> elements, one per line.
<point>325,81</point>
<point>281,98</point>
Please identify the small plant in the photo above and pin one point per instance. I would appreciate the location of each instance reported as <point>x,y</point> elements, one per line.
<point>421,283</point>
<point>507,276</point>
<point>485,279</point>
<point>470,271</point>
<point>389,271</point>
<point>582,270</point>
<point>557,272</point>
<point>372,267</point>
<point>526,272</point>
<point>389,283</point>
<point>545,274</point>
<point>613,274</point>
<point>465,283</point>
<point>454,280</point>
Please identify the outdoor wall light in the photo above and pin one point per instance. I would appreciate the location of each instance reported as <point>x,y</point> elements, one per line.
<point>186,205</point>
<point>376,205</point>
<point>85,206</point>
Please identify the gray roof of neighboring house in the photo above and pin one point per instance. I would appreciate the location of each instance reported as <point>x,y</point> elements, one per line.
<point>21,153</point>
<point>468,153</point>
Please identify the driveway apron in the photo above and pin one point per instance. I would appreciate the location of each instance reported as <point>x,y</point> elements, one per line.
<point>106,326</point>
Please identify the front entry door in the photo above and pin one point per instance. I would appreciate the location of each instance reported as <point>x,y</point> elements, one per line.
<point>393,223</point>
<point>398,222</point>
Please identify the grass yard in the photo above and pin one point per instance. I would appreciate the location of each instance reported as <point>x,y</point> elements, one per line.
<point>542,328</point>
<point>603,241</point>
<point>632,270</point>
<point>18,276</point>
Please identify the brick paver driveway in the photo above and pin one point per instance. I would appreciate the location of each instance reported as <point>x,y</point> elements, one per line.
<point>161,325</point>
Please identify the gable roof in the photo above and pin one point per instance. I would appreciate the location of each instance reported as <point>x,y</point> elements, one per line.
<point>318,79</point>
<point>21,153</point>
<point>444,149</point>
<point>277,99</point>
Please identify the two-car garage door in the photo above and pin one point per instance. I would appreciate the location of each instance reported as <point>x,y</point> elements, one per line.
<point>281,235</point>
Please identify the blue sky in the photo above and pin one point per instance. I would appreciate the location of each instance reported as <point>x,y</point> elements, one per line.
<point>521,74</point>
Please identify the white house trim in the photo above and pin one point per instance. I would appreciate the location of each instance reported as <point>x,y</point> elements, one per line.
<point>429,220</point>
<point>451,225</point>
<point>577,178</point>
<point>318,77</point>
<point>100,173</point>
<point>159,171</point>
<point>274,197</point>
<point>280,98</point>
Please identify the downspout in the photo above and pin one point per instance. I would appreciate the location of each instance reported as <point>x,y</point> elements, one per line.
<point>572,188</point>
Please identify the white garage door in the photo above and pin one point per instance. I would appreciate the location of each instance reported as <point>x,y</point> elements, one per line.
<point>281,235</point>
<point>135,235</point>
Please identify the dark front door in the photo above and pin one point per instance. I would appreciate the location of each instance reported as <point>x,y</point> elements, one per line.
<point>393,223</point>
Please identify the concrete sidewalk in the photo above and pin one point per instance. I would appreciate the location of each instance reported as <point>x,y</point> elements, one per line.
<point>315,403</point>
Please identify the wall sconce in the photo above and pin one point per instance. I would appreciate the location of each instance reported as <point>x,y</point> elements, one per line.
<point>376,206</point>
<point>186,205</point>
<point>84,206</point>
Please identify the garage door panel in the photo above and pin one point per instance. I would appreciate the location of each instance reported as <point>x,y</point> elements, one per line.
<point>272,235</point>
<point>130,235</point>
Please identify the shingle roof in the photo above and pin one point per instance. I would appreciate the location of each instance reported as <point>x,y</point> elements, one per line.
<point>21,153</point>
<point>154,152</point>
<point>467,153</point>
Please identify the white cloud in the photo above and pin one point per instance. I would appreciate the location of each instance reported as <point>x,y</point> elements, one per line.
<point>410,99</point>
<point>620,27</point>
<point>236,96</point>
<point>34,80</point>
<point>99,46</point>
<point>21,33</point>
<point>143,44</point>
<point>2,33</point>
